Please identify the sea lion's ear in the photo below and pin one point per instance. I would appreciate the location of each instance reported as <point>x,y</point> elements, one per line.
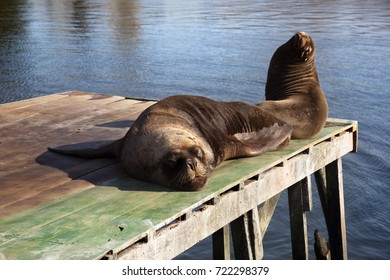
<point>258,142</point>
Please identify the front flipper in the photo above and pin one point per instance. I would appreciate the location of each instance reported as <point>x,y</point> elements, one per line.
<point>258,142</point>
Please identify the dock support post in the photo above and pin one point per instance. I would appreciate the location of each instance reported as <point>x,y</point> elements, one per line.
<point>221,244</point>
<point>298,200</point>
<point>330,188</point>
<point>266,211</point>
<point>247,236</point>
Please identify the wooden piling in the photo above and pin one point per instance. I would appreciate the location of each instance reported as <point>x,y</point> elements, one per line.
<point>247,236</point>
<point>221,244</point>
<point>298,225</point>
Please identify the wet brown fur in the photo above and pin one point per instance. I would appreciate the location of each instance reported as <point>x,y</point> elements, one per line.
<point>179,140</point>
<point>293,92</point>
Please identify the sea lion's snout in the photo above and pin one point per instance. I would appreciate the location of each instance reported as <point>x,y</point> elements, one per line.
<point>303,44</point>
<point>192,175</point>
<point>191,164</point>
<point>186,169</point>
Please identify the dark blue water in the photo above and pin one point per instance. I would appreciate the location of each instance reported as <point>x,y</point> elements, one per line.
<point>220,49</point>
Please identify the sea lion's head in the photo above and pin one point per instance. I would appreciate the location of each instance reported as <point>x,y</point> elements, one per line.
<point>298,49</point>
<point>185,168</point>
<point>172,157</point>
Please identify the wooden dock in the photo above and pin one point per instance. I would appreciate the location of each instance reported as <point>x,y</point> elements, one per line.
<point>59,207</point>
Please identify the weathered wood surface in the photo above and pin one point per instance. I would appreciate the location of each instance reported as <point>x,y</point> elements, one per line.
<point>247,236</point>
<point>58,207</point>
<point>298,201</point>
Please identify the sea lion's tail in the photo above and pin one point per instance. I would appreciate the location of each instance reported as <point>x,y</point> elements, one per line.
<point>92,149</point>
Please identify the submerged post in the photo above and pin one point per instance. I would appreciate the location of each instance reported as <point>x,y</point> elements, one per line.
<point>330,188</point>
<point>336,213</point>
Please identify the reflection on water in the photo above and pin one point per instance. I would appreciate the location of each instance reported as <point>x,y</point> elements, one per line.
<point>219,49</point>
<point>150,50</point>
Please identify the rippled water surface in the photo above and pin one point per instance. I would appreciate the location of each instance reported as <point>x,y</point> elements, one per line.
<point>220,49</point>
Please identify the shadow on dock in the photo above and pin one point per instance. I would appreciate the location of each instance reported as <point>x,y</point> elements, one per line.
<point>99,172</point>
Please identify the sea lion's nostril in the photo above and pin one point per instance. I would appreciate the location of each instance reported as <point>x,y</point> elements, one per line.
<point>191,164</point>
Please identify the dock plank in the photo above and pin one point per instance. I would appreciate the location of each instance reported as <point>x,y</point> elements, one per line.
<point>11,115</point>
<point>7,108</point>
<point>52,124</point>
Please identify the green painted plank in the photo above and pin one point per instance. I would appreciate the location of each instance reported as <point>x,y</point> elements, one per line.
<point>97,220</point>
<point>95,200</point>
<point>109,216</point>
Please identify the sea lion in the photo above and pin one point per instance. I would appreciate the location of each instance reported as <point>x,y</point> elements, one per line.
<point>179,140</point>
<point>293,92</point>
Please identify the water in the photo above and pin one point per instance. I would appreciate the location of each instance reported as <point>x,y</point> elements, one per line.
<point>220,49</point>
